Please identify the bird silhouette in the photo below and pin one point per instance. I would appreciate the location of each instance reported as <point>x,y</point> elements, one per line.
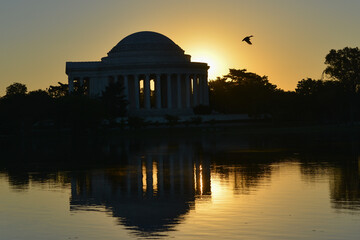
<point>247,39</point>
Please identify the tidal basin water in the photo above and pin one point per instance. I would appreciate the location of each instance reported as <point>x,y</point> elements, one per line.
<point>187,188</point>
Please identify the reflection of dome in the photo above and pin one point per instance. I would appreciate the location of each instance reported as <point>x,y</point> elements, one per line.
<point>147,46</point>
<point>151,216</point>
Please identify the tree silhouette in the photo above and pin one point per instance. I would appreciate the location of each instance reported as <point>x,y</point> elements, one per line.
<point>308,87</point>
<point>114,100</point>
<point>58,91</point>
<point>344,65</point>
<point>16,89</point>
<point>242,92</point>
<point>321,100</point>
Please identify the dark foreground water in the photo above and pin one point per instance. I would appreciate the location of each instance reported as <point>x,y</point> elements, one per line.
<point>184,188</point>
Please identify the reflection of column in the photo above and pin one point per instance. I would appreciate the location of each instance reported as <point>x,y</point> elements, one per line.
<point>190,170</point>
<point>206,175</point>
<point>139,176</point>
<point>147,92</point>
<point>149,176</point>
<point>172,175</point>
<point>178,83</point>
<point>161,176</point>
<point>136,91</point>
<point>168,90</point>
<point>187,90</point>
<point>128,180</point>
<point>158,91</point>
<point>181,168</point>
<point>198,177</point>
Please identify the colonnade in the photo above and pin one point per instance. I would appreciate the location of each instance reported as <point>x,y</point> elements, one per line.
<point>154,91</point>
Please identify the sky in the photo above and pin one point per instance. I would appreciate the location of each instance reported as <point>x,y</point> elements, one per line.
<point>291,37</point>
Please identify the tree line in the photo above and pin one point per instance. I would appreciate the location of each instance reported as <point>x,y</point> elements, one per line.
<point>55,107</point>
<point>333,99</point>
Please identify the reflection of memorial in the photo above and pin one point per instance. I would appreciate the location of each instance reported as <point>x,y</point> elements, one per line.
<point>150,194</point>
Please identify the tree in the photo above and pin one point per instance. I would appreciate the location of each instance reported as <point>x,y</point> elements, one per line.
<point>78,112</point>
<point>242,92</point>
<point>308,87</point>
<point>114,100</point>
<point>344,65</point>
<point>249,79</point>
<point>58,91</point>
<point>16,89</point>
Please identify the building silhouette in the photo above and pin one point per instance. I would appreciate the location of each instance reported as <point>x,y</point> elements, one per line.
<point>156,75</point>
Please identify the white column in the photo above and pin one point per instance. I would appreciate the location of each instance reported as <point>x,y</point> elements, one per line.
<point>201,92</point>
<point>147,92</point>
<point>168,90</point>
<point>136,91</point>
<point>195,91</point>
<point>71,84</point>
<point>187,90</point>
<point>206,91</point>
<point>158,91</point>
<point>178,82</point>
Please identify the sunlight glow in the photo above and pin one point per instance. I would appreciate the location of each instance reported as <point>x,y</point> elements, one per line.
<point>215,61</point>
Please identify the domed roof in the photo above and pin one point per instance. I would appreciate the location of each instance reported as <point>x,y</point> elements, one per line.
<point>145,40</point>
<point>146,47</point>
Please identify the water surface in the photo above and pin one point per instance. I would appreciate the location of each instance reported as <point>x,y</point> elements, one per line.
<point>188,188</point>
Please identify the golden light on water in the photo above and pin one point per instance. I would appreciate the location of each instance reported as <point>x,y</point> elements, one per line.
<point>198,179</point>
<point>155,177</point>
<point>144,184</point>
<point>201,180</point>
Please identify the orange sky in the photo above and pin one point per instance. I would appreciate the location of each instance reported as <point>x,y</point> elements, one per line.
<point>291,38</point>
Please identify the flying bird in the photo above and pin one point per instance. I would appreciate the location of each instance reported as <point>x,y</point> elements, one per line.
<point>247,39</point>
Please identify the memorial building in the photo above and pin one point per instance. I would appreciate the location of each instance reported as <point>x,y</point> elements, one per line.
<point>156,75</point>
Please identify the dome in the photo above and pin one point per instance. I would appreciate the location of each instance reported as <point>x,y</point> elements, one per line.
<point>145,41</point>
<point>144,47</point>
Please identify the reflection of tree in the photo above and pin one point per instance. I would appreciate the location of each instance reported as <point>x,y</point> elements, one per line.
<point>18,180</point>
<point>249,177</point>
<point>343,173</point>
<point>21,180</point>
<point>246,171</point>
<point>345,186</point>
